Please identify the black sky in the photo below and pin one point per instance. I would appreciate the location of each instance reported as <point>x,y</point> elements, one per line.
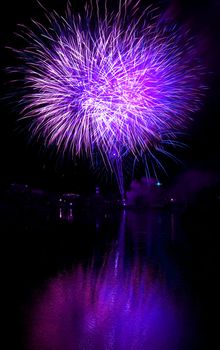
<point>25,162</point>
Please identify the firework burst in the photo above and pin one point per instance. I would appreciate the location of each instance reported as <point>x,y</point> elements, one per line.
<point>113,83</point>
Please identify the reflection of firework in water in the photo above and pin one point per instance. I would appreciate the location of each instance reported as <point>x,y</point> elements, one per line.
<point>132,301</point>
<point>115,309</point>
<point>112,84</point>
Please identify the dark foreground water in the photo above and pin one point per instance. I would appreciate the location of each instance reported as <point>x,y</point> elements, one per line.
<point>101,277</point>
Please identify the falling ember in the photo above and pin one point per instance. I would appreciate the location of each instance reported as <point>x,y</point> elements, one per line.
<point>109,83</point>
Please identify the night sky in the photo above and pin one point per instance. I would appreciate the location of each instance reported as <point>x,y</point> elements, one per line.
<point>25,162</point>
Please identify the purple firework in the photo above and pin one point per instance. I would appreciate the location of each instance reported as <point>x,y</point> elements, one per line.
<point>118,83</point>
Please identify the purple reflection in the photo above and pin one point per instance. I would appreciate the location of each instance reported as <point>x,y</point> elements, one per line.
<point>116,308</point>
